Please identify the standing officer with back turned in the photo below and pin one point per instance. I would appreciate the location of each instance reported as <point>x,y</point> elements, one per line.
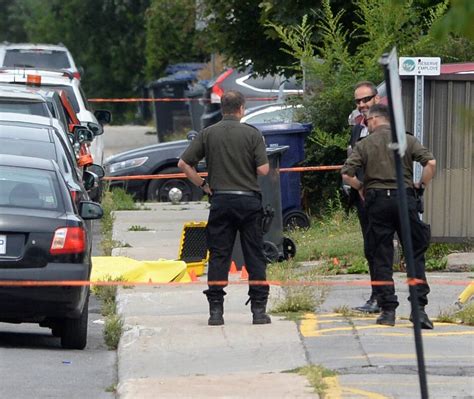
<point>379,189</point>
<point>235,154</point>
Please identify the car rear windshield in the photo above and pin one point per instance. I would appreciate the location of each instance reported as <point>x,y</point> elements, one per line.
<point>36,58</point>
<point>24,107</point>
<point>70,95</point>
<point>28,148</point>
<point>29,188</point>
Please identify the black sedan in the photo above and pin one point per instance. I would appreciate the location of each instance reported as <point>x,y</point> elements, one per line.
<point>153,159</point>
<point>43,237</point>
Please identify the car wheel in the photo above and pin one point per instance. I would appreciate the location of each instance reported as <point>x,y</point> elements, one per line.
<point>159,189</point>
<point>74,331</point>
<point>295,219</point>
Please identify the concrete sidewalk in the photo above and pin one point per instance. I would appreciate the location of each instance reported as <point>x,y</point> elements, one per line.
<point>167,349</point>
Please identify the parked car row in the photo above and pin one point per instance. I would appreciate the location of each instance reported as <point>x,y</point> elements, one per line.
<point>50,168</point>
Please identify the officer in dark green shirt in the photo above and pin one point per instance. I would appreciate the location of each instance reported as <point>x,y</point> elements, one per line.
<point>379,192</point>
<point>235,154</point>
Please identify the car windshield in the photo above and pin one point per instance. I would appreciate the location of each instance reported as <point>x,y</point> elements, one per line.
<point>28,148</point>
<point>24,107</point>
<point>29,188</point>
<point>36,58</point>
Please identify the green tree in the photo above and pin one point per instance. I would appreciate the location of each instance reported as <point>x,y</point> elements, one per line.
<point>171,35</point>
<point>379,25</point>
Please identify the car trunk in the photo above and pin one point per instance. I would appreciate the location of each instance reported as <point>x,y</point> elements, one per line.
<point>26,236</point>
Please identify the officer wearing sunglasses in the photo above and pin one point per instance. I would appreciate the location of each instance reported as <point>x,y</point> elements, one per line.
<point>365,96</point>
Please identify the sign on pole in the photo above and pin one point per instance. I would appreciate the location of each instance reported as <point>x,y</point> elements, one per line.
<point>420,66</point>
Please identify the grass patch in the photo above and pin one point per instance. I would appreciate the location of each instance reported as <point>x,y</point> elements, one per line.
<point>337,235</point>
<point>111,388</point>
<point>464,316</point>
<point>316,375</point>
<point>137,227</point>
<point>115,200</point>
<point>113,323</point>
<point>296,298</point>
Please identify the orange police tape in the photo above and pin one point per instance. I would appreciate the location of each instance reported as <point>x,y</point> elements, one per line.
<point>291,283</point>
<point>166,100</point>
<point>182,175</point>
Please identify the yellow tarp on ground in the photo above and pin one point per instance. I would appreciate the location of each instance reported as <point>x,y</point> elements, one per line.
<point>159,271</point>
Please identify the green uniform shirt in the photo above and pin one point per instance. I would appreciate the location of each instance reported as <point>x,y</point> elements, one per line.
<point>233,152</point>
<point>376,158</point>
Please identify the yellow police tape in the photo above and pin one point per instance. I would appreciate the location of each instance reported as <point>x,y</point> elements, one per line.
<point>127,269</point>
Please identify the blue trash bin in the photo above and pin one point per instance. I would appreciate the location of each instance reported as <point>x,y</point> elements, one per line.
<point>292,135</point>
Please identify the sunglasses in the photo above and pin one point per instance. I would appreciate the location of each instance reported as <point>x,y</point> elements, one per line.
<point>364,100</point>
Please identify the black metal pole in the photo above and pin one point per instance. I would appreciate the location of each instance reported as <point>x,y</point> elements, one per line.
<point>407,245</point>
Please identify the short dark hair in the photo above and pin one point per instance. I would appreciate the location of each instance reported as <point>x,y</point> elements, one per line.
<point>231,102</point>
<point>366,83</point>
<point>379,110</point>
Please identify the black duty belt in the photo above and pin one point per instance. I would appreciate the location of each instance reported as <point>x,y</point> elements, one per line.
<point>235,192</point>
<point>389,192</point>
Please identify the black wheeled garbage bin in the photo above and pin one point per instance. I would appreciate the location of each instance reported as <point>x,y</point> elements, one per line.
<point>276,246</point>
<point>171,115</point>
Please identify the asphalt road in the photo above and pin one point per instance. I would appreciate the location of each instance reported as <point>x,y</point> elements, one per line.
<point>33,364</point>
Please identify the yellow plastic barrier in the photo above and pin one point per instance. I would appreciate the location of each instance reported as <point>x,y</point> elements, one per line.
<point>159,271</point>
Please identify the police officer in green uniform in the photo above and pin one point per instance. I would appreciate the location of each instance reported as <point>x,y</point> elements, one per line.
<point>379,191</point>
<point>235,154</point>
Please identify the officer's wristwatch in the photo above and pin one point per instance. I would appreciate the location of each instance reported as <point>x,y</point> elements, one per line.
<point>204,182</point>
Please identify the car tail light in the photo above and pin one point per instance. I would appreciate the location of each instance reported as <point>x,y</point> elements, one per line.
<point>216,91</point>
<point>33,80</point>
<point>68,240</point>
<point>77,75</point>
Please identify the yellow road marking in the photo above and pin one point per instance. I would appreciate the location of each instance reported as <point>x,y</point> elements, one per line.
<point>334,390</point>
<point>318,333</point>
<point>363,393</point>
<point>427,334</point>
<point>407,356</point>
<point>309,324</point>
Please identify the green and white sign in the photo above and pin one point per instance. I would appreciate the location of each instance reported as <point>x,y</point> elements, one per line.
<point>419,66</point>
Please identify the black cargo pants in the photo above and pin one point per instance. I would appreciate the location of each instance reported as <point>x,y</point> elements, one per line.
<point>230,213</point>
<point>383,216</point>
<point>364,224</point>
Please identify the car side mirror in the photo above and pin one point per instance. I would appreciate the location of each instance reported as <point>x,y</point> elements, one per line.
<point>81,71</point>
<point>90,210</point>
<point>103,116</point>
<point>192,135</point>
<point>82,134</point>
<point>95,128</point>
<point>70,136</point>
<point>97,170</point>
<point>90,180</point>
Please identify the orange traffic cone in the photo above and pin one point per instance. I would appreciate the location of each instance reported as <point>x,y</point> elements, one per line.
<point>193,276</point>
<point>233,268</point>
<point>244,275</point>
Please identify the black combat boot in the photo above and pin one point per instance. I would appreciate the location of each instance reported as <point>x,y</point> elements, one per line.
<point>425,322</point>
<point>386,318</point>
<point>369,307</point>
<point>216,312</point>
<point>259,309</point>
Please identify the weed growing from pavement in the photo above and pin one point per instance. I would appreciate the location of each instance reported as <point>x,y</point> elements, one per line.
<point>296,298</point>
<point>464,316</point>
<point>316,376</point>
<point>113,324</point>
